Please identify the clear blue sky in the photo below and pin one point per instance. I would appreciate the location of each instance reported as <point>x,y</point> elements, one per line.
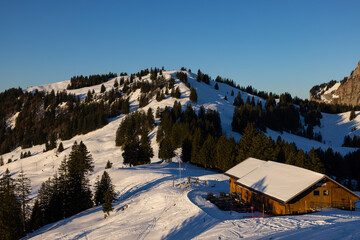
<point>275,46</point>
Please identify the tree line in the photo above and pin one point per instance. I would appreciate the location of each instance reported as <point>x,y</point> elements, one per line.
<point>91,80</point>
<point>281,116</point>
<point>65,194</point>
<point>203,143</point>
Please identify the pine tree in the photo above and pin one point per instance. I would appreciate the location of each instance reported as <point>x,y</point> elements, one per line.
<point>225,153</point>
<point>116,83</point>
<point>102,89</point>
<point>207,152</point>
<point>352,115</point>
<point>108,165</point>
<point>101,186</point>
<point>80,163</point>
<point>11,226</point>
<point>193,95</point>
<point>23,189</point>
<point>125,107</point>
<point>262,148</point>
<point>60,148</point>
<point>238,100</point>
<point>146,151</point>
<point>166,150</point>
<point>107,205</point>
<point>245,143</point>
<point>216,86</point>
<point>186,149</point>
<point>131,151</point>
<point>315,162</point>
<point>36,219</point>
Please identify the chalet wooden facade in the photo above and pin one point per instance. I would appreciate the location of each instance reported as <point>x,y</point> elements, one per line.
<point>285,189</point>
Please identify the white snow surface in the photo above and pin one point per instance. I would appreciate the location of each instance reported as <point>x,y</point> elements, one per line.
<point>11,122</point>
<point>333,88</point>
<point>245,167</point>
<point>157,210</point>
<point>278,180</point>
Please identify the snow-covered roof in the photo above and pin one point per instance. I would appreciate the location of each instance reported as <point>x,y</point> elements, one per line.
<point>277,180</point>
<point>244,167</point>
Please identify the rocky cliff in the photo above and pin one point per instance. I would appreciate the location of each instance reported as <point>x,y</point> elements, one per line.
<point>346,91</point>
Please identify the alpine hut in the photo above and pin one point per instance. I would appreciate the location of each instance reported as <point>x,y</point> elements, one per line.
<point>285,189</point>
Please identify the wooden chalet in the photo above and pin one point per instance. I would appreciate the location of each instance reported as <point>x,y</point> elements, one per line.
<point>285,189</point>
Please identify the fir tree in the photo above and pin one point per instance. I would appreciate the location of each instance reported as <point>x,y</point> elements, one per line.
<point>245,143</point>
<point>36,219</point>
<point>23,189</point>
<point>216,86</point>
<point>352,115</point>
<point>238,100</point>
<point>146,151</point>
<point>11,226</point>
<point>207,152</point>
<point>225,153</point>
<point>108,165</point>
<point>166,150</point>
<point>80,163</point>
<point>131,152</point>
<point>186,149</point>
<point>116,83</point>
<point>101,186</point>
<point>193,95</point>
<point>107,205</point>
<point>60,148</point>
<point>102,89</point>
<point>315,162</point>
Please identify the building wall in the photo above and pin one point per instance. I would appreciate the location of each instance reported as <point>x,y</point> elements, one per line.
<point>330,194</point>
<point>259,201</point>
<point>322,195</point>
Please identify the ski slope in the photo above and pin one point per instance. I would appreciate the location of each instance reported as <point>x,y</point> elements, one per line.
<point>156,209</point>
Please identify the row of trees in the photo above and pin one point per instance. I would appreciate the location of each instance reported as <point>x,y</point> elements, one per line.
<point>87,81</point>
<point>133,137</point>
<point>45,117</point>
<point>281,116</point>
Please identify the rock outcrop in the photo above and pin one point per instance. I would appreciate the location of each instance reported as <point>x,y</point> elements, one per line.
<point>345,92</point>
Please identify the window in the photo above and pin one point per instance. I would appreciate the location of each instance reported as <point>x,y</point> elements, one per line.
<point>316,193</point>
<point>326,193</point>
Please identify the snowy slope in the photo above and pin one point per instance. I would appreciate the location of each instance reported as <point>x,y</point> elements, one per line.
<point>156,210</point>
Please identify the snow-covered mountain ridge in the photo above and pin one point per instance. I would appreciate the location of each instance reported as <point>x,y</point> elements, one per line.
<point>156,210</point>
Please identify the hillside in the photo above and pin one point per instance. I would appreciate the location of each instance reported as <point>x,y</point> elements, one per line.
<point>156,210</point>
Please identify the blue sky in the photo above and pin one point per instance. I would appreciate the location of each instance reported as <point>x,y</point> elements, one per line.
<point>275,46</point>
